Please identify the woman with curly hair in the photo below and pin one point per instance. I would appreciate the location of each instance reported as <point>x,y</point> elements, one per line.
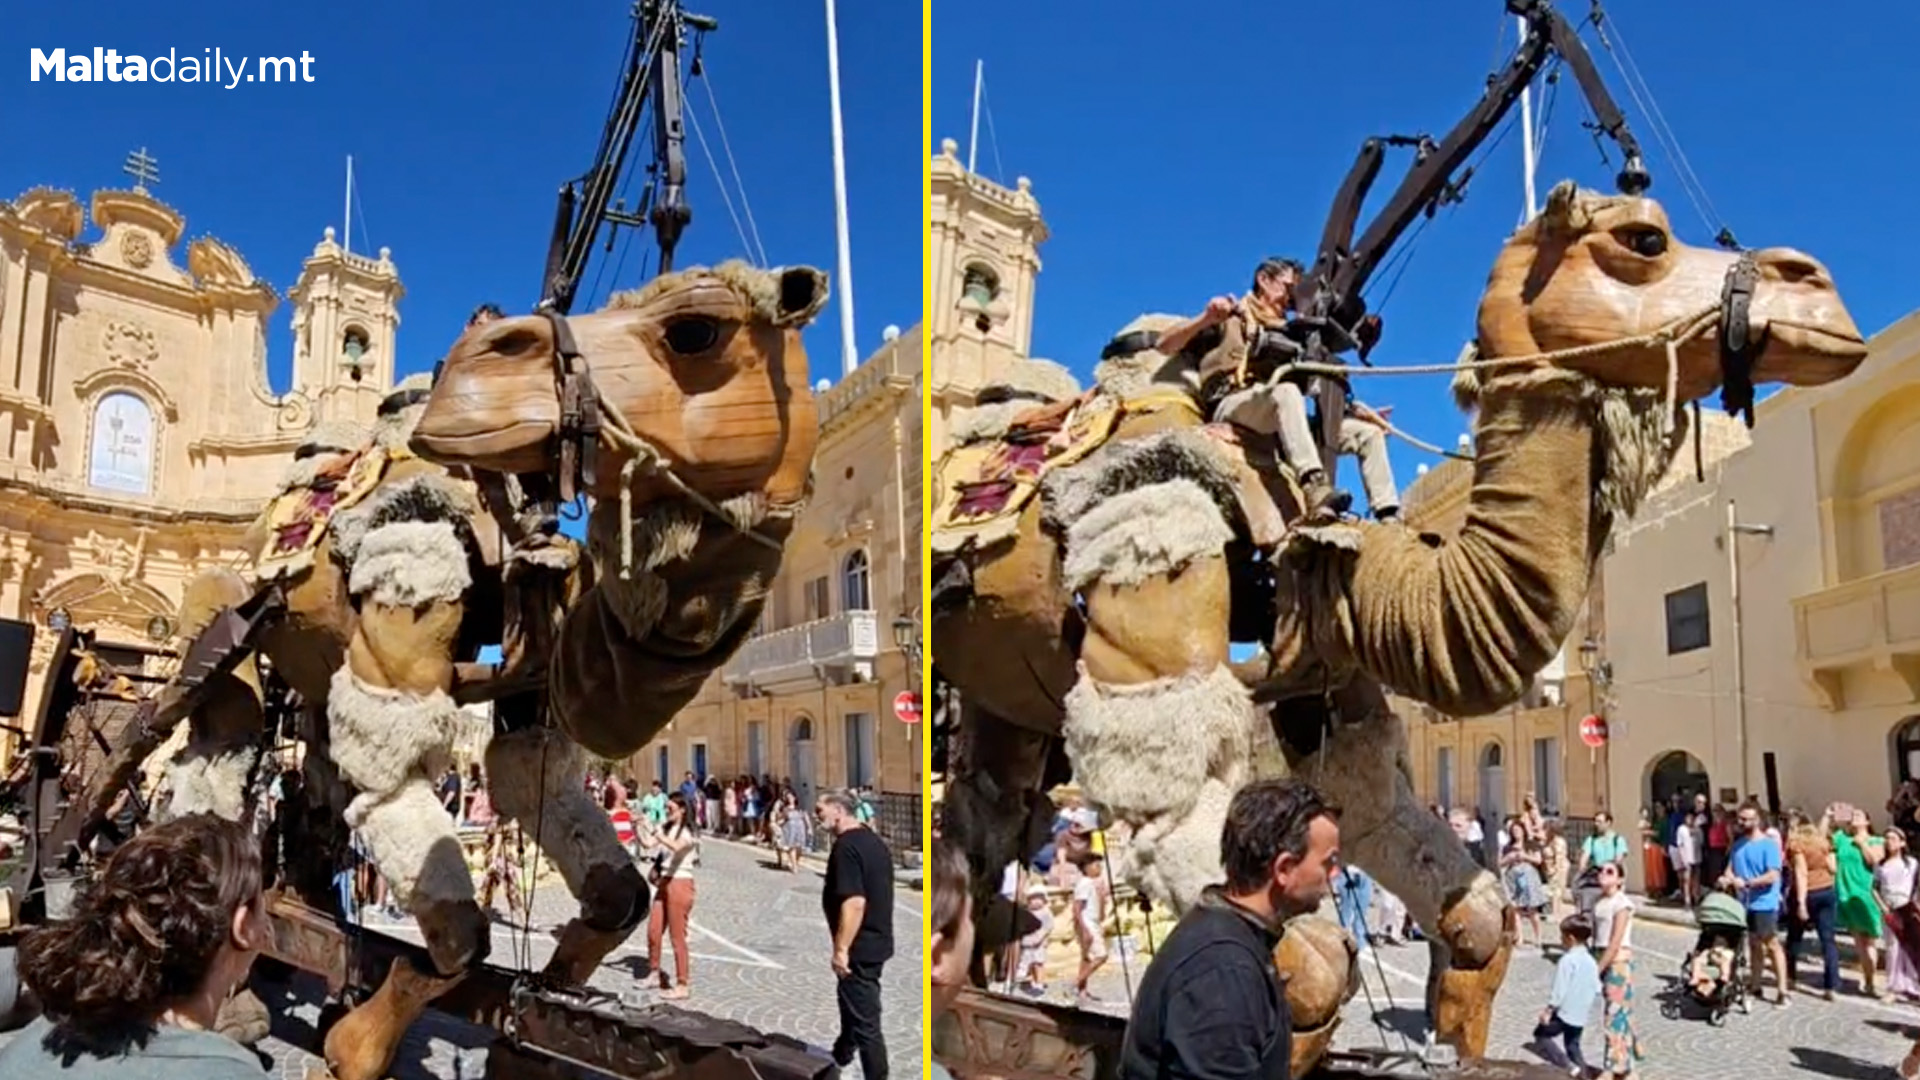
<point>131,986</point>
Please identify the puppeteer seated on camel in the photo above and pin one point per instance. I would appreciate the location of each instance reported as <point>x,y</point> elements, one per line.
<point>1243,358</point>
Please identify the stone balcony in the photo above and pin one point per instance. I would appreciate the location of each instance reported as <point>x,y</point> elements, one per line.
<point>839,648</point>
<point>1873,622</point>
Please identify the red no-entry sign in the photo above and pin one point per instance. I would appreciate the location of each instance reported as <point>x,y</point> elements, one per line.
<point>906,706</point>
<point>1593,731</point>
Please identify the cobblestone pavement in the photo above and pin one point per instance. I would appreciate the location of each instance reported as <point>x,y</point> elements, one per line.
<point>760,956</point>
<point>1851,1038</point>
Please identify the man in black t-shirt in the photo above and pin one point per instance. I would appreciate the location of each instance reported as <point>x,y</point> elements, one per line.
<point>858,900</point>
<point>1211,1006</point>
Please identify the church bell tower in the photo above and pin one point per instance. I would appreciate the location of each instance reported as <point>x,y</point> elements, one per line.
<point>345,313</point>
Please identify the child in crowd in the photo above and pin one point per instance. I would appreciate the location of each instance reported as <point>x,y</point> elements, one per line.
<point>1711,968</point>
<point>1576,986</point>
<point>1089,924</point>
<point>1033,947</point>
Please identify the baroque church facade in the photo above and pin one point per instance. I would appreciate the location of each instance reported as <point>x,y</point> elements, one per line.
<point>139,432</point>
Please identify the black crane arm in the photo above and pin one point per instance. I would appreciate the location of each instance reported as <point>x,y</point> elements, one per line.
<point>1328,298</point>
<point>653,70</point>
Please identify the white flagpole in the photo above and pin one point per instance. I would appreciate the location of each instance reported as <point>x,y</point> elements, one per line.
<point>973,140</point>
<point>1526,131</point>
<point>346,234</point>
<point>849,357</point>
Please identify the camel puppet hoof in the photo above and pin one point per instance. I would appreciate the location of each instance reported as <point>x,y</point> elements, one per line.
<point>363,1043</point>
<point>613,902</point>
<point>1315,959</point>
<point>459,934</point>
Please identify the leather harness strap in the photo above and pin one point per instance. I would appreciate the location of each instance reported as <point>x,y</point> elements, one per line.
<point>1740,343</point>
<point>579,410</point>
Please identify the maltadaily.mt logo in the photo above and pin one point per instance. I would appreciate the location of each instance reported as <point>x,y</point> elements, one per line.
<point>210,66</point>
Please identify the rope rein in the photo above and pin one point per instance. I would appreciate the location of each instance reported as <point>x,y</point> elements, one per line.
<point>646,458</point>
<point>1669,336</point>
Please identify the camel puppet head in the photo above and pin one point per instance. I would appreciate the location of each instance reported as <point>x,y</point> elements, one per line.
<point>1593,269</point>
<point>705,364</point>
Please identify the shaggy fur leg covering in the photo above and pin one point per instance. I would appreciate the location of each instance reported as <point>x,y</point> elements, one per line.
<point>1157,755</point>
<point>413,843</point>
<point>380,738</point>
<point>1144,533</point>
<point>537,778</point>
<point>209,780</point>
<point>409,563</point>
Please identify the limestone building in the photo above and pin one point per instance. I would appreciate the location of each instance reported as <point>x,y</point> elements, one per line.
<point>141,433</point>
<point>1808,690</point>
<point>810,696</point>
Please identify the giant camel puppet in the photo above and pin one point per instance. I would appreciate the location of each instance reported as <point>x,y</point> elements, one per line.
<point>1093,554</point>
<point>683,410</point>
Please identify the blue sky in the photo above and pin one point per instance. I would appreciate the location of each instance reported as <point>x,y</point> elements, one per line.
<point>463,121</point>
<point>1171,148</point>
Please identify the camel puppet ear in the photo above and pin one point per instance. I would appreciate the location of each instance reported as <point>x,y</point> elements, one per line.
<point>803,292</point>
<point>1565,210</point>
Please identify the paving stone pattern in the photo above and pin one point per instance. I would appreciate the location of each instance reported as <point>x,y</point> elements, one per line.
<point>1851,1038</point>
<point>760,955</point>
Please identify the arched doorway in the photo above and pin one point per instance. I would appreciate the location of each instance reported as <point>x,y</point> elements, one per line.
<point>1676,772</point>
<point>1906,750</point>
<point>1493,784</point>
<point>800,761</point>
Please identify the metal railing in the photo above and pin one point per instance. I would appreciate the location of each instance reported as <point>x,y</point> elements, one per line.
<point>849,637</point>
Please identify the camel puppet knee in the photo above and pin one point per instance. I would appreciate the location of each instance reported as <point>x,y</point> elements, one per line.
<point>1477,934</point>
<point>1158,727</point>
<point>388,745</point>
<point>537,779</point>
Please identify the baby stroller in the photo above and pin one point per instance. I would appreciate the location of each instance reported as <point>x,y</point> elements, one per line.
<point>1713,974</point>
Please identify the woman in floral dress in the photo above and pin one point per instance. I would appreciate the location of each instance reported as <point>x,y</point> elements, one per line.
<point>1613,934</point>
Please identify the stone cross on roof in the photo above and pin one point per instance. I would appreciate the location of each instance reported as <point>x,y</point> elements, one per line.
<point>144,169</point>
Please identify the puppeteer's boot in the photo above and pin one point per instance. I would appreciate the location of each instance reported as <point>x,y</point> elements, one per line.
<point>1324,502</point>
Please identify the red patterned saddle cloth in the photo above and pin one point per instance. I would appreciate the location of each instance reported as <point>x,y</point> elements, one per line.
<point>297,520</point>
<point>981,488</point>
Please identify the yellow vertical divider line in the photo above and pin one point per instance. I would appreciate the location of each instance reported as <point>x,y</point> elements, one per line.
<point>926,530</point>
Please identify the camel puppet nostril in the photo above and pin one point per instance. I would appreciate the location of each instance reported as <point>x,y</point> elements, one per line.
<point>1794,268</point>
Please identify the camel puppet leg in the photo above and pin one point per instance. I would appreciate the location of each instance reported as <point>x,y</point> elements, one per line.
<point>997,810</point>
<point>538,779</point>
<point>1353,748</point>
<point>391,725</point>
<point>1158,728</point>
<point>209,775</point>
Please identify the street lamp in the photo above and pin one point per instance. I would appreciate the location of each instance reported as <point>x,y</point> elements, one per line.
<point>1736,529</point>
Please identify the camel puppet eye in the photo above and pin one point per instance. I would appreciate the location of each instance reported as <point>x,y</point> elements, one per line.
<point>1644,240</point>
<point>513,342</point>
<point>691,335</point>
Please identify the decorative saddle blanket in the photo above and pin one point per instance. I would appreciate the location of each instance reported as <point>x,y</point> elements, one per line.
<point>296,521</point>
<point>983,487</point>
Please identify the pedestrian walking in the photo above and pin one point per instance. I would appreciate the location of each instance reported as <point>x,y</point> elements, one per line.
<point>1576,986</point>
<point>858,901</point>
<point>1613,927</point>
<point>793,832</point>
<point>676,858</point>
<point>1810,868</point>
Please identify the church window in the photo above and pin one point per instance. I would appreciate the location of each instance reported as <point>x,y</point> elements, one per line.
<point>121,457</point>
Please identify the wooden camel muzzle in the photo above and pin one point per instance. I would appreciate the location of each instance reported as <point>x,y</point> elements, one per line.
<point>704,364</point>
<point>1596,270</point>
